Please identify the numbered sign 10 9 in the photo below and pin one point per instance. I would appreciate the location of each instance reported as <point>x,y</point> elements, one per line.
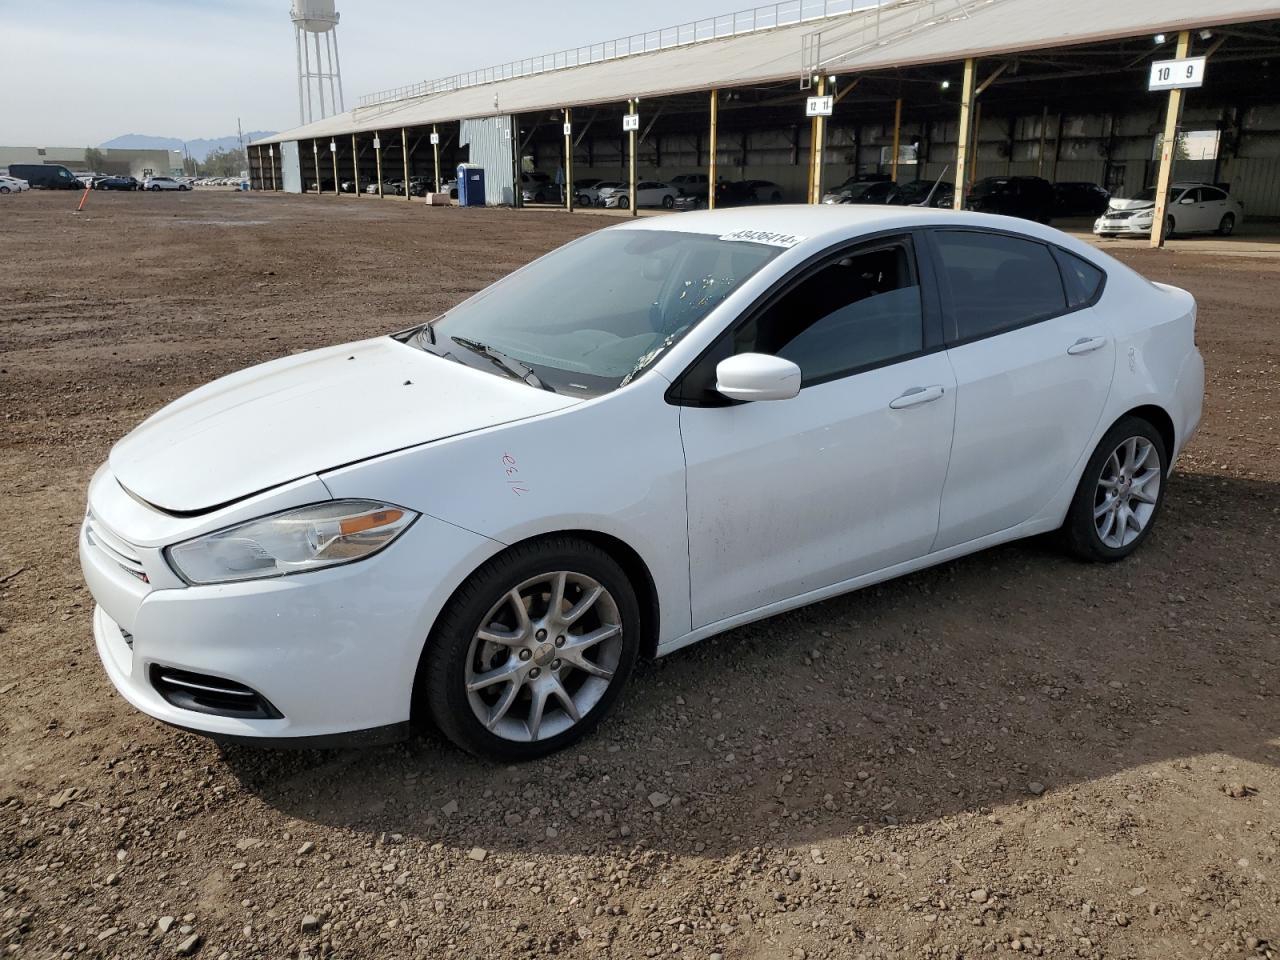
<point>1177,74</point>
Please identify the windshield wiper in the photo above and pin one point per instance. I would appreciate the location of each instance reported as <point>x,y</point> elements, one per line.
<point>510,364</point>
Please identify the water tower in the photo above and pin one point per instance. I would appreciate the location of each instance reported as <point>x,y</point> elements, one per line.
<point>313,19</point>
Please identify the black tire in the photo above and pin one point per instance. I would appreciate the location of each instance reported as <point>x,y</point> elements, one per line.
<point>776,197</point>
<point>155,189</point>
<point>3,188</point>
<point>1228,225</point>
<point>624,203</point>
<point>1170,228</point>
<point>440,685</point>
<point>1079,533</point>
<point>668,201</point>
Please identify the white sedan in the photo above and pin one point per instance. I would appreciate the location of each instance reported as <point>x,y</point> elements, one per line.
<point>487,518</point>
<point>1192,208</point>
<point>13,184</point>
<point>649,193</point>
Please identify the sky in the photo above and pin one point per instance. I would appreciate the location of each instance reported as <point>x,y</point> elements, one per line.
<point>78,72</point>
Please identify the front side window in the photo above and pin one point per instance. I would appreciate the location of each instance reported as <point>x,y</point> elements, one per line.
<point>587,317</point>
<point>858,311</point>
<point>994,282</point>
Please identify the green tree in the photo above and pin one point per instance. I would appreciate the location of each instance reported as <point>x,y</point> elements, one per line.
<point>225,163</point>
<point>94,159</point>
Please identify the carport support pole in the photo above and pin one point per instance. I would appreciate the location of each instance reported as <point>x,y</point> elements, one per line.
<point>897,135</point>
<point>377,150</point>
<point>966,130</point>
<point>568,159</point>
<point>333,153</point>
<point>355,166</point>
<point>315,155</point>
<point>711,162</point>
<point>271,154</point>
<point>632,137</point>
<point>404,153</point>
<point>435,147</point>
<point>817,147</point>
<point>1167,148</point>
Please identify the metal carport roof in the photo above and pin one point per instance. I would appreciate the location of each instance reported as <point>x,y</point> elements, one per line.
<point>993,28</point>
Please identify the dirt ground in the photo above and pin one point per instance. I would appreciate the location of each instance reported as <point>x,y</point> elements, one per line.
<point>1010,753</point>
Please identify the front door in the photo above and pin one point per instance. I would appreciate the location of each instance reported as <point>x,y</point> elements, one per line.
<point>786,497</point>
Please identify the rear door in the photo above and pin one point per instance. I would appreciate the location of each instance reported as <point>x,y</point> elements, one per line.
<point>1033,362</point>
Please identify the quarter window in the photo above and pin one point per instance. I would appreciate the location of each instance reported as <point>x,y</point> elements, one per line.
<point>1084,280</point>
<point>859,311</point>
<point>993,282</point>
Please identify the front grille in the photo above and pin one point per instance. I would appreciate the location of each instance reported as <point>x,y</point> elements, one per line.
<point>1118,214</point>
<point>120,551</point>
<point>213,695</point>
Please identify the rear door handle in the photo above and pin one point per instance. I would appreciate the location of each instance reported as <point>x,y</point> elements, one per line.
<point>916,396</point>
<point>1086,345</point>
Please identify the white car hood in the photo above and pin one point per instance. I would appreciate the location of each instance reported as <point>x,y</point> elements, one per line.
<point>300,415</point>
<point>1118,204</point>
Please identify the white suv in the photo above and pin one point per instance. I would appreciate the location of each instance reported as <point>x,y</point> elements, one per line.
<point>164,183</point>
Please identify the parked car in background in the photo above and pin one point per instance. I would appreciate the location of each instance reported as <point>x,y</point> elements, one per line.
<point>649,193</point>
<point>538,187</point>
<point>691,184</point>
<point>1074,199</point>
<point>729,193</point>
<point>866,190</point>
<point>45,176</point>
<point>584,191</point>
<point>163,183</point>
<point>1030,198</point>
<point>336,542</point>
<point>608,189</point>
<point>13,184</point>
<point>766,191</point>
<point>1192,208</point>
<point>939,194</point>
<point>116,183</point>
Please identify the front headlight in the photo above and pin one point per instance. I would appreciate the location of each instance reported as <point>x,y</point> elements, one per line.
<point>306,538</point>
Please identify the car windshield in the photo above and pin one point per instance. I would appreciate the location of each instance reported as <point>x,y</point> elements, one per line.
<point>1148,195</point>
<point>588,317</point>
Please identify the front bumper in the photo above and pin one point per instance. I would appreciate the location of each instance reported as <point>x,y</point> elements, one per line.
<point>1126,227</point>
<point>334,651</point>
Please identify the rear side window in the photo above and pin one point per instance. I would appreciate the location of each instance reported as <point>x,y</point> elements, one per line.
<point>993,282</point>
<point>1084,280</point>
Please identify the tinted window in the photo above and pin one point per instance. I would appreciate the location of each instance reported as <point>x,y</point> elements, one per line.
<point>994,282</point>
<point>1212,194</point>
<point>1084,280</point>
<point>858,311</point>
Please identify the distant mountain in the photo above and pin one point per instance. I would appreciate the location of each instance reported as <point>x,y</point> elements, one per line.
<point>199,149</point>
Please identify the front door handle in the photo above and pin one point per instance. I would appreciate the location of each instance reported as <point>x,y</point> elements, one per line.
<point>916,396</point>
<point>1086,345</point>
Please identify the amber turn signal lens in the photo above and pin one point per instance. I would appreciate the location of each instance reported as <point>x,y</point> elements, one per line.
<point>369,521</point>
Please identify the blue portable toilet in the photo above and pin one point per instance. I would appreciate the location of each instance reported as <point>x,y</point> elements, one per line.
<point>470,185</point>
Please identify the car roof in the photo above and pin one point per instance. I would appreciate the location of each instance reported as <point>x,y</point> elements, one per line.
<point>816,226</point>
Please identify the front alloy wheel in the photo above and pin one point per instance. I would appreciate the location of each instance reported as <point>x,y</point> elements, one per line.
<point>532,651</point>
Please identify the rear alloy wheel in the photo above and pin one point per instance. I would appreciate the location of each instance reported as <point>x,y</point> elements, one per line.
<point>624,203</point>
<point>531,653</point>
<point>1120,493</point>
<point>1228,225</point>
<point>668,201</point>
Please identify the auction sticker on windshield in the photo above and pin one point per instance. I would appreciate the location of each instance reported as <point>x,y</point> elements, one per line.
<point>787,240</point>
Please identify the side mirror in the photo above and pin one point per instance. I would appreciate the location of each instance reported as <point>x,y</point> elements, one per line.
<point>757,376</point>
<point>1186,201</point>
